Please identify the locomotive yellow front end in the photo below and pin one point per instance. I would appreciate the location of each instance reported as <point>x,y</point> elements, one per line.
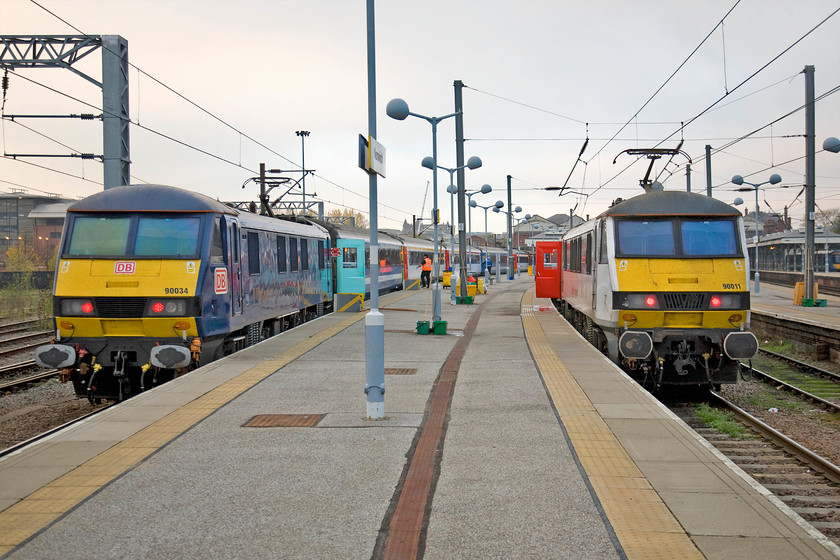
<point>127,292</point>
<point>681,296</point>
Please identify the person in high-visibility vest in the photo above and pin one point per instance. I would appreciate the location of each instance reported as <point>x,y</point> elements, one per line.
<point>426,274</point>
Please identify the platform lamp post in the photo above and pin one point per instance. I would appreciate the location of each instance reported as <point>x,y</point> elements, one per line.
<point>830,144</point>
<point>509,213</point>
<point>483,190</point>
<point>518,240</point>
<point>398,109</point>
<point>738,180</point>
<point>473,163</point>
<point>474,204</point>
<point>518,244</point>
<point>303,134</point>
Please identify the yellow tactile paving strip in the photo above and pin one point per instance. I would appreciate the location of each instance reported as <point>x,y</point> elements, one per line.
<point>44,506</point>
<point>643,524</point>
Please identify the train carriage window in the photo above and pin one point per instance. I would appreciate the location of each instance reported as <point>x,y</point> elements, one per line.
<point>167,237</point>
<point>304,254</point>
<point>216,251</point>
<point>708,237</point>
<point>321,249</point>
<point>293,254</point>
<point>349,257</point>
<point>99,236</point>
<point>588,251</point>
<point>282,257</point>
<point>253,252</point>
<point>550,259</point>
<point>235,236</point>
<point>602,252</point>
<point>646,238</point>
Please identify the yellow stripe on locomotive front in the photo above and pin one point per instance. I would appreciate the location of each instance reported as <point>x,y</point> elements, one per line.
<point>716,275</point>
<point>86,278</point>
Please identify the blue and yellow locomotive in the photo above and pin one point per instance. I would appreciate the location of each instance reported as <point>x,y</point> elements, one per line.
<point>152,281</point>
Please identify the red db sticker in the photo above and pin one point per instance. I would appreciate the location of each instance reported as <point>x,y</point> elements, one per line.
<point>221,280</point>
<point>124,267</point>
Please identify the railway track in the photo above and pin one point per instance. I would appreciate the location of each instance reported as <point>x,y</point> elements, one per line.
<point>804,380</point>
<point>18,326</point>
<point>52,430</point>
<point>808,483</point>
<point>21,382</point>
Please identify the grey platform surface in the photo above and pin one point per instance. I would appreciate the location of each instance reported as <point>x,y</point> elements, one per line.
<point>509,485</point>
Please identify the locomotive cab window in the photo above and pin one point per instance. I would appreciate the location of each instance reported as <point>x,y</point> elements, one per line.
<point>646,238</point>
<point>167,237</point>
<point>99,236</point>
<point>709,237</point>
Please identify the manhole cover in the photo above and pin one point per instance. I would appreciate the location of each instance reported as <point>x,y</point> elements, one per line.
<point>284,421</point>
<point>400,371</point>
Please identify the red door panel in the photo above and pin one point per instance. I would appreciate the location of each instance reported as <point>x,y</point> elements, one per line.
<point>547,277</point>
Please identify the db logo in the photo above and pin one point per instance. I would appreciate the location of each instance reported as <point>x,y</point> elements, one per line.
<point>124,267</point>
<point>220,275</point>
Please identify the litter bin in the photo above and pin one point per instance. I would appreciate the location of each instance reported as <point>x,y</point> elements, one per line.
<point>447,279</point>
<point>471,287</point>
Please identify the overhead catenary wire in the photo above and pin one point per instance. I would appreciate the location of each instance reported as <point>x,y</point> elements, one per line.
<point>204,110</point>
<point>750,77</point>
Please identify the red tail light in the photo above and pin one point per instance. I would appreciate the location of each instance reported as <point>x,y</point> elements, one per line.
<point>715,301</point>
<point>651,301</point>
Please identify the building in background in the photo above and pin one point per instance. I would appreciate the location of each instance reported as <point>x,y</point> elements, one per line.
<point>34,220</point>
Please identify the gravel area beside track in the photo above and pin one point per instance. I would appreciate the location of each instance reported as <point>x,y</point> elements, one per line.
<point>26,414</point>
<point>805,422</point>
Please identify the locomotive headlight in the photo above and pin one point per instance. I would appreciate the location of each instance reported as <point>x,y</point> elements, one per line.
<point>725,301</point>
<point>77,307</point>
<point>641,301</point>
<point>166,308</point>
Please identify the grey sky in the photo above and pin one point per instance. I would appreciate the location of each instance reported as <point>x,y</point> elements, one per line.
<point>537,72</point>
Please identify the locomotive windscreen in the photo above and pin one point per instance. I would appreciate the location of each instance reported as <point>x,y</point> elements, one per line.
<point>146,236</point>
<point>682,237</point>
<point>99,236</point>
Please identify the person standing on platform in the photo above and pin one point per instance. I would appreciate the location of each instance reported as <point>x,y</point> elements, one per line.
<point>426,274</point>
<point>489,266</point>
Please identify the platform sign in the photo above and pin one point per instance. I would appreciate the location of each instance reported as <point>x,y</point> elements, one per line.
<point>220,280</point>
<point>371,155</point>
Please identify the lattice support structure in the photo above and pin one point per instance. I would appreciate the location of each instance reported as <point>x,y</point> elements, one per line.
<point>62,51</point>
